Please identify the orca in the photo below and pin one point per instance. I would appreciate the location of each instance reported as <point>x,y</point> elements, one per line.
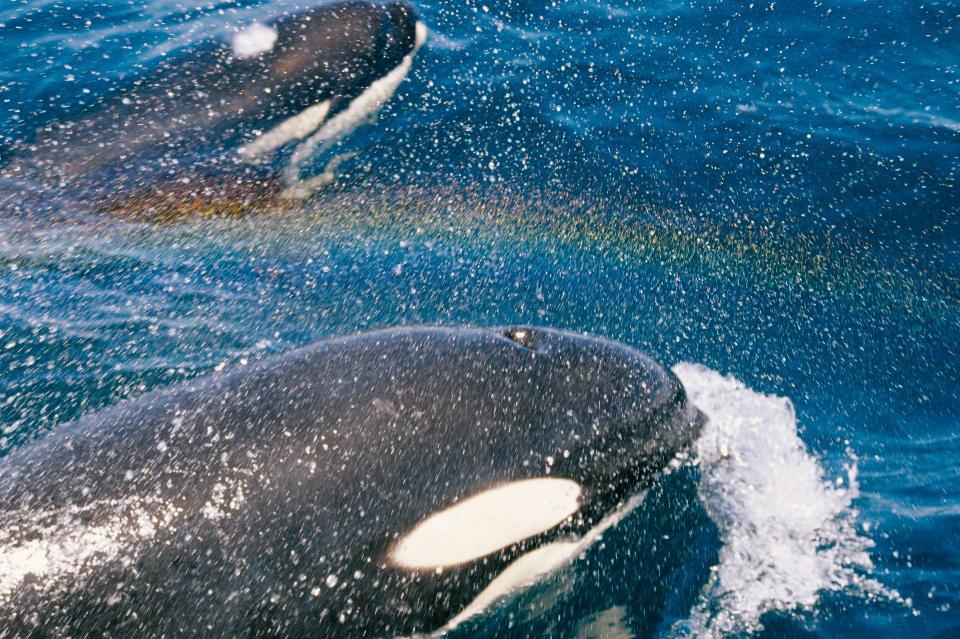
<point>382,484</point>
<point>307,79</point>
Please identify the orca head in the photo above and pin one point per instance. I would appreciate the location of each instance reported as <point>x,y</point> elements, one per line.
<point>581,426</point>
<point>332,51</point>
<point>318,63</point>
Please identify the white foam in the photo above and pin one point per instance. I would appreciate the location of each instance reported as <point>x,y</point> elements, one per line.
<point>789,533</point>
<point>899,114</point>
<point>253,40</point>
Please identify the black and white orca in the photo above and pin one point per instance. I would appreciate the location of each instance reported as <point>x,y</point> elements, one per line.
<point>307,79</point>
<point>379,485</point>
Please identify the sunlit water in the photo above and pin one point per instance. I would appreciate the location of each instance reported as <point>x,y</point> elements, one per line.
<point>764,197</point>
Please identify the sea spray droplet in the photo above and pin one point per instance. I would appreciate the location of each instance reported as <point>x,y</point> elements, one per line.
<point>789,532</point>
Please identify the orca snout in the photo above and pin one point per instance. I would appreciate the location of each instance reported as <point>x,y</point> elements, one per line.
<point>656,423</point>
<point>406,22</point>
<point>630,414</point>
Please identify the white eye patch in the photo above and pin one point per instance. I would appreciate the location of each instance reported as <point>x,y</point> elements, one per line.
<point>254,40</point>
<point>487,521</point>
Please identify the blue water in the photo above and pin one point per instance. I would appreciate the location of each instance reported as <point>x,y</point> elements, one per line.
<point>768,189</point>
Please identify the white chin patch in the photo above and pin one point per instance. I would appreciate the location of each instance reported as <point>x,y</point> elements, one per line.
<point>487,522</point>
<point>538,563</point>
<point>293,128</point>
<point>420,34</point>
<point>254,40</point>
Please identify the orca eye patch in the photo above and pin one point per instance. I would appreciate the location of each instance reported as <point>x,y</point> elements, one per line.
<point>254,40</point>
<point>486,522</point>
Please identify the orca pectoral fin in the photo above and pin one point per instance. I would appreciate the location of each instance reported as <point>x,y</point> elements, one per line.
<point>607,624</point>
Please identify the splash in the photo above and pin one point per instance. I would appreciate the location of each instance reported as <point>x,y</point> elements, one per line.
<point>789,533</point>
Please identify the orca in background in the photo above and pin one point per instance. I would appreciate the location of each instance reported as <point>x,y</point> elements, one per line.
<point>377,485</point>
<point>306,80</point>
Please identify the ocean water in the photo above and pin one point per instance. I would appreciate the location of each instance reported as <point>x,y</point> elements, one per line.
<point>764,196</point>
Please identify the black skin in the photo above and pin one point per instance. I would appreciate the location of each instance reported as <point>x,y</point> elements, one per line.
<point>204,103</point>
<point>400,423</point>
